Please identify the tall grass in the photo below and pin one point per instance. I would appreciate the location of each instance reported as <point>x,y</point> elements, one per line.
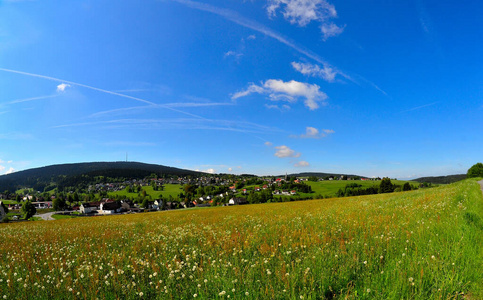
<point>424,244</point>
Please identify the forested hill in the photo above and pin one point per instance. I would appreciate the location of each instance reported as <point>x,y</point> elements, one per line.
<point>69,174</point>
<point>441,179</point>
<point>323,175</point>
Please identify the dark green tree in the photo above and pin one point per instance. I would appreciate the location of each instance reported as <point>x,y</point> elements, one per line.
<point>406,187</point>
<point>5,208</point>
<point>386,186</point>
<point>475,171</point>
<point>145,203</point>
<point>28,209</point>
<point>58,204</point>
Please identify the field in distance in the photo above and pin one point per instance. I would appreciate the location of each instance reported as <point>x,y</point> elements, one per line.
<point>423,244</point>
<point>327,188</point>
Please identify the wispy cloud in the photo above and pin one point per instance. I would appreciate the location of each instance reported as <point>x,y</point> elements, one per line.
<point>134,90</point>
<point>287,91</point>
<point>313,70</point>
<point>9,171</point>
<point>118,111</point>
<point>66,82</point>
<point>242,21</point>
<point>31,99</point>
<point>234,54</point>
<point>330,30</point>
<point>281,108</point>
<point>419,107</point>
<point>209,171</point>
<point>130,144</point>
<point>15,136</point>
<point>179,123</point>
<point>301,163</point>
<point>197,104</point>
<point>303,12</point>
<point>314,133</point>
<point>245,22</point>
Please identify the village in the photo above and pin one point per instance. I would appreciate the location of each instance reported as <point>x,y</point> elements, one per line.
<point>194,192</point>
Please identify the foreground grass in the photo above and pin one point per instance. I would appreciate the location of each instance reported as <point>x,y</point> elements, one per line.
<point>424,244</point>
<point>60,217</point>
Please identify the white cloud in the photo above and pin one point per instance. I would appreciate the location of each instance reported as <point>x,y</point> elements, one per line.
<point>330,30</point>
<point>269,144</point>
<point>311,132</point>
<point>61,87</point>
<point>236,55</point>
<point>251,37</point>
<point>313,70</point>
<point>284,107</point>
<point>303,12</point>
<point>284,151</point>
<point>301,163</point>
<point>314,133</point>
<point>230,169</point>
<point>210,171</point>
<point>253,88</point>
<point>2,168</point>
<point>290,91</point>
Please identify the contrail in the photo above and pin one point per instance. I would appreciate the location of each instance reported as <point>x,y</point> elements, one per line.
<point>419,107</point>
<point>242,21</point>
<point>236,18</point>
<point>99,90</point>
<point>31,99</point>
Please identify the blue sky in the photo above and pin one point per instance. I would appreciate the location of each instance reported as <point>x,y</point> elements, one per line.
<point>374,88</point>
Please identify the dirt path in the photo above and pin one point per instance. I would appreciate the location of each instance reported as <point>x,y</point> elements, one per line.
<point>48,216</point>
<point>481,184</point>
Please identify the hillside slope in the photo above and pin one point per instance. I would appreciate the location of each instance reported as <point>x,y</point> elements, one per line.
<point>441,179</point>
<point>56,173</point>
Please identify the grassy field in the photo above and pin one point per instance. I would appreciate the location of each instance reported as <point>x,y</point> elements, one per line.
<point>169,189</point>
<point>330,187</point>
<point>424,244</point>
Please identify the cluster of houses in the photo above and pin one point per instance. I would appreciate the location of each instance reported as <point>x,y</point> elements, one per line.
<point>109,206</point>
<point>118,186</point>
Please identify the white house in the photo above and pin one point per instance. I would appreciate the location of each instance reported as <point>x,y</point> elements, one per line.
<point>87,208</point>
<point>108,208</point>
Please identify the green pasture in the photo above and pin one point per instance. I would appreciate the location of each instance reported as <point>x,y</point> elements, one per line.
<point>330,187</point>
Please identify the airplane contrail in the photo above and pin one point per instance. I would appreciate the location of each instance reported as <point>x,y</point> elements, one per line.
<point>99,90</point>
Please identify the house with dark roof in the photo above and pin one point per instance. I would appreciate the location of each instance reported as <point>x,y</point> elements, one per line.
<point>108,208</point>
<point>91,207</point>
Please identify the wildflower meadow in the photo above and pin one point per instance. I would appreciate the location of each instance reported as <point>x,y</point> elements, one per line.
<point>424,244</point>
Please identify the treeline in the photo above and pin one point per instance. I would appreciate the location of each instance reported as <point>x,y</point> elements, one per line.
<point>386,186</point>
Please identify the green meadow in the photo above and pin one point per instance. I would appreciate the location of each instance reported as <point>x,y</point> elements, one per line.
<point>330,187</point>
<point>169,190</point>
<point>423,244</point>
